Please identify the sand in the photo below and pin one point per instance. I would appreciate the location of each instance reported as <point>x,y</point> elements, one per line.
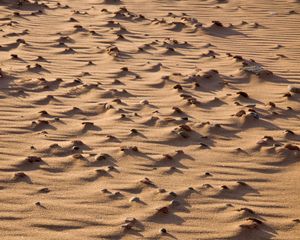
<point>151,119</point>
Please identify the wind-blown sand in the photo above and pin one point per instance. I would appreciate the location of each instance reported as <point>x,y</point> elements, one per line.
<point>151,119</point>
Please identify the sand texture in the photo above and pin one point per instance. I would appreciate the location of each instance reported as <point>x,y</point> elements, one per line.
<point>149,119</point>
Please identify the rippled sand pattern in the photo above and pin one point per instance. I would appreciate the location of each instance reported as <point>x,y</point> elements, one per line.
<point>134,119</point>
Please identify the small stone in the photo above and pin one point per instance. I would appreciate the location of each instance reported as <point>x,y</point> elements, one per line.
<point>100,157</point>
<point>174,203</point>
<point>292,147</point>
<point>105,190</point>
<point>178,87</point>
<point>134,131</point>
<point>164,210</point>
<point>244,94</point>
<point>33,159</point>
<point>44,190</point>
<point>183,134</point>
<point>127,226</point>
<point>145,102</point>
<point>242,183</point>
<point>246,210</point>
<point>130,219</point>
<point>75,148</point>
<point>146,181</point>
<point>294,89</point>
<point>161,190</point>
<point>135,199</point>
<point>273,105</point>
<point>173,194</point>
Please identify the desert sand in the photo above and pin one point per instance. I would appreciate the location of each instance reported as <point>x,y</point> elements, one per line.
<point>149,119</point>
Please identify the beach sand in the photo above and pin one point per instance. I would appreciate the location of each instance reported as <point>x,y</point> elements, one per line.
<point>134,119</point>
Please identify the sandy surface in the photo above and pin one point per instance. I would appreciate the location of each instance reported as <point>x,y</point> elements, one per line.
<point>175,119</point>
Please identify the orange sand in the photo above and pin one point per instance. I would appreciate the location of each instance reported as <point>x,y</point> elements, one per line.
<point>151,119</point>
